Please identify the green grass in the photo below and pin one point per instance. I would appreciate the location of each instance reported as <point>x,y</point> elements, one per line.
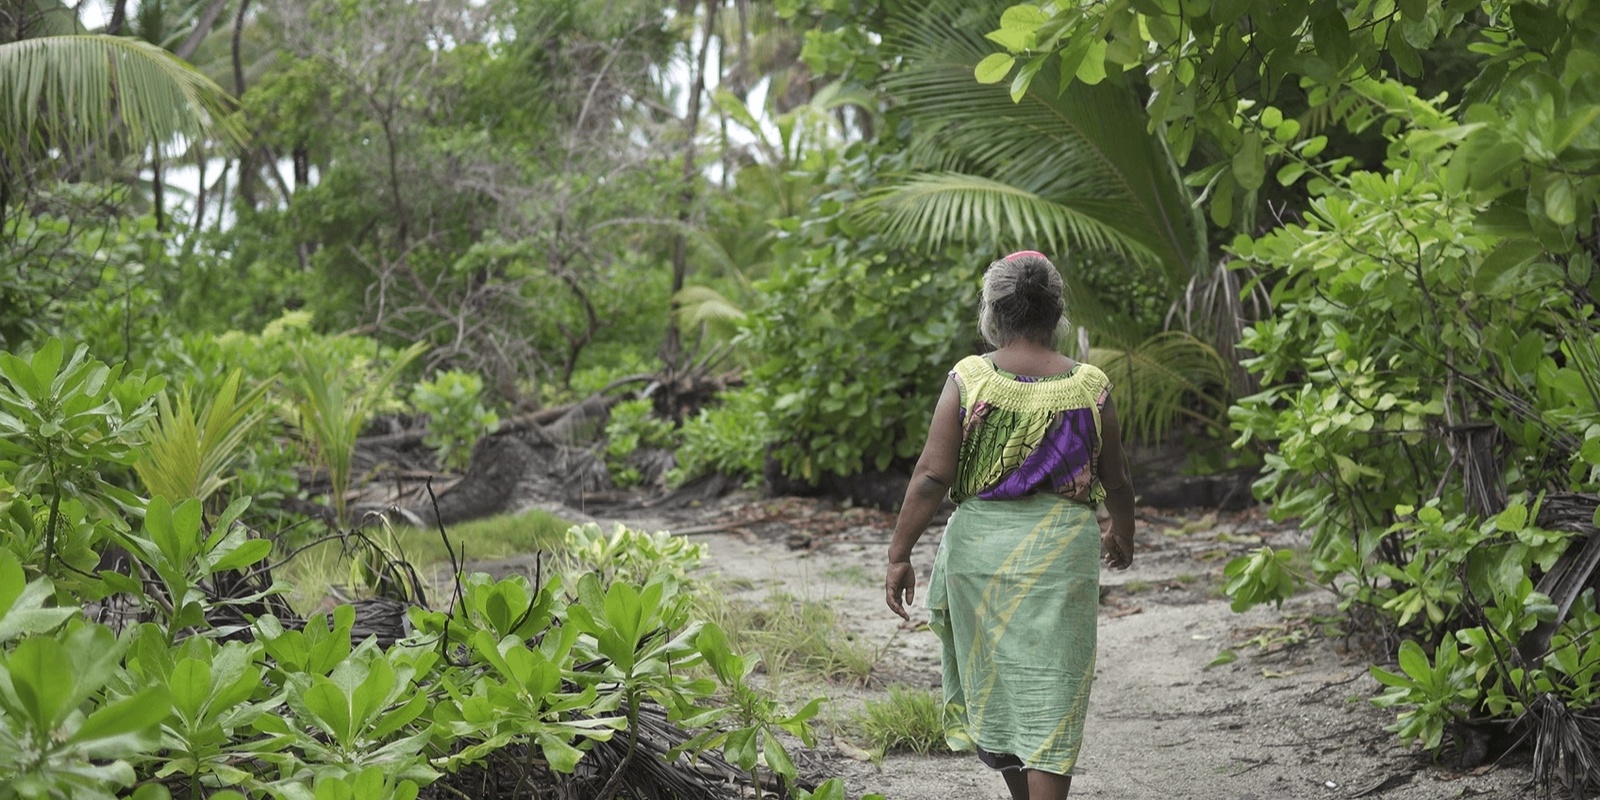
<point>906,721</point>
<point>494,537</point>
<point>853,574</point>
<point>329,567</point>
<point>793,635</point>
<point>1136,587</point>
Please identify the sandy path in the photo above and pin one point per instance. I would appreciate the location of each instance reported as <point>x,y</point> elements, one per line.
<point>1288,724</point>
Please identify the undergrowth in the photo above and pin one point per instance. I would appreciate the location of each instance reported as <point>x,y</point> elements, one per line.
<point>344,566</point>
<point>793,636</point>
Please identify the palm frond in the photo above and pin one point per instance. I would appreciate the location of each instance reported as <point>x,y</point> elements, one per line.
<point>69,94</point>
<point>330,409</point>
<point>1165,378</point>
<point>188,455</point>
<point>949,206</point>
<point>702,305</point>
<point>1087,149</point>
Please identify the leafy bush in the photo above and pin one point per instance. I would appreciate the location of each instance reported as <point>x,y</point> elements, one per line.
<point>853,338</point>
<point>290,709</point>
<point>633,424</point>
<point>457,417</point>
<point>729,438</point>
<point>1428,375</point>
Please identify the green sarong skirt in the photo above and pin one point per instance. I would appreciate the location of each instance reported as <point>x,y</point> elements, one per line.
<point>1014,597</point>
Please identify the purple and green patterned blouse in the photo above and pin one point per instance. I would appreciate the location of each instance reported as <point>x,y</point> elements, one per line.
<point>1023,435</point>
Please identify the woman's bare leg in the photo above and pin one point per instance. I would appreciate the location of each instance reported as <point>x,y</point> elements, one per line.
<point>1017,782</point>
<point>1048,785</point>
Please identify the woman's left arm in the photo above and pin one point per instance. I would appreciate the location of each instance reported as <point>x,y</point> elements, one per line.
<point>930,482</point>
<point>1114,477</point>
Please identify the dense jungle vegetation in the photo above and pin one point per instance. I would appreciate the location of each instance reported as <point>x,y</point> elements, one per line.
<point>1349,243</point>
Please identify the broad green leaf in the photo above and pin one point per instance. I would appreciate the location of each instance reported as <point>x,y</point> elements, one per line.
<point>116,730</point>
<point>43,680</point>
<point>1092,69</point>
<point>22,603</point>
<point>1503,260</point>
<point>1414,662</point>
<point>777,757</point>
<point>1017,41</point>
<point>561,756</point>
<point>1023,17</point>
<point>1560,203</point>
<point>330,708</point>
<point>248,553</point>
<point>994,68</point>
<point>191,686</point>
<point>1249,163</point>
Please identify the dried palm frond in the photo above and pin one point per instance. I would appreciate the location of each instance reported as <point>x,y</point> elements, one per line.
<point>1163,379</point>
<point>1566,746</point>
<point>1217,306</point>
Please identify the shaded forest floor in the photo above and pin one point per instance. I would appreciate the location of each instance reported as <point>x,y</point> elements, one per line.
<point>1288,718</point>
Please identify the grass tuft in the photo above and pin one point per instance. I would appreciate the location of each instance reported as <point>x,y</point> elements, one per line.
<point>907,722</point>
<point>493,537</point>
<point>330,568</point>
<point>791,634</point>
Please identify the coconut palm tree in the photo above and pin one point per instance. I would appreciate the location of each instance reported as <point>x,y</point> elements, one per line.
<point>71,102</point>
<point>1074,169</point>
<point>1064,171</point>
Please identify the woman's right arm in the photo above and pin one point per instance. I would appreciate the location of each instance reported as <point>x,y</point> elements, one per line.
<point>930,483</point>
<point>1117,546</point>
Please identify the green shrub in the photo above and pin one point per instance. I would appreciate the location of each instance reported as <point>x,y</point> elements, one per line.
<point>457,417</point>
<point>1432,354</point>
<point>853,348</point>
<point>730,438</point>
<point>633,424</point>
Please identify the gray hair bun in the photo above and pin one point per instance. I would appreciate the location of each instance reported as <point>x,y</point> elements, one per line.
<point>1022,299</point>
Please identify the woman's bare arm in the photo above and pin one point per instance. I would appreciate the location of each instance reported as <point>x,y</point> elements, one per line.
<point>1118,484</point>
<point>930,482</point>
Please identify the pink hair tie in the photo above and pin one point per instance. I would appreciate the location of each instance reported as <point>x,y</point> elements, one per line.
<point>1021,253</point>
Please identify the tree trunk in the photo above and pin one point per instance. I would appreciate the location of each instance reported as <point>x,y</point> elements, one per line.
<point>671,351</point>
<point>200,196</point>
<point>158,194</point>
<point>119,18</point>
<point>238,35</point>
<point>202,29</point>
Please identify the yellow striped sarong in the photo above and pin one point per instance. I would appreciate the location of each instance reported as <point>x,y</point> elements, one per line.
<point>1013,596</point>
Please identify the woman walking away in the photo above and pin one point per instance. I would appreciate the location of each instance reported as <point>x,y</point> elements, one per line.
<point>1025,442</point>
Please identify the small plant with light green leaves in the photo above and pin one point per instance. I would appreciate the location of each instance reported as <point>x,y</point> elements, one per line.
<point>65,421</point>
<point>457,418</point>
<point>633,425</point>
<point>727,439</point>
<point>1263,576</point>
<point>1434,693</point>
<point>330,409</point>
<point>632,555</point>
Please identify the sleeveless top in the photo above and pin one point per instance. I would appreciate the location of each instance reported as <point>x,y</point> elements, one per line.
<point>1022,436</point>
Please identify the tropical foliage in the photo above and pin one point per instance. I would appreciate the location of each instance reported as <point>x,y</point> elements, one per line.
<point>1427,373</point>
<point>1358,238</point>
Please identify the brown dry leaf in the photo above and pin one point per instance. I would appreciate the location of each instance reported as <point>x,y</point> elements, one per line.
<point>1124,611</point>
